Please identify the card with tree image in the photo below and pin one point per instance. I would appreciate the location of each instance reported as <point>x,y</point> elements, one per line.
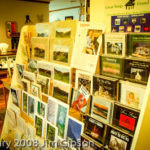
<point>62,73</point>
<point>44,82</point>
<point>61,91</point>
<point>41,108</point>
<point>32,65</point>
<point>51,132</point>
<point>39,125</point>
<point>101,109</point>
<point>61,51</point>
<point>132,94</point>
<point>31,106</point>
<point>84,79</point>
<point>105,87</point>
<point>62,119</point>
<point>52,110</point>
<point>111,66</point>
<point>45,69</point>
<point>25,102</point>
<point>40,48</point>
<point>115,44</point>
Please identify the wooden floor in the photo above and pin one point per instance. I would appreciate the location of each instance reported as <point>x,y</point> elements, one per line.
<point>2,108</point>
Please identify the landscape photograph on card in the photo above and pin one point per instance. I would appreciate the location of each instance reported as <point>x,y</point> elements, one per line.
<point>79,101</point>
<point>92,40</point>
<point>20,69</point>
<point>52,110</point>
<point>62,74</point>
<point>29,76</point>
<point>35,89</point>
<point>62,120</point>
<point>60,53</point>
<point>111,66</point>
<point>45,68</point>
<point>32,65</point>
<point>25,85</point>
<point>25,102</point>
<point>101,109</point>
<point>51,132</point>
<point>75,129</point>
<point>61,91</point>
<point>105,87</point>
<point>131,94</point>
<point>31,106</point>
<point>39,126</point>
<point>44,82</point>
<point>41,108</point>
<point>94,128</point>
<point>63,32</point>
<point>40,48</point>
<point>125,118</point>
<point>83,79</point>
<point>15,96</point>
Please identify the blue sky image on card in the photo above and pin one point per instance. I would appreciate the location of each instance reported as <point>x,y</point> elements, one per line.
<point>74,130</point>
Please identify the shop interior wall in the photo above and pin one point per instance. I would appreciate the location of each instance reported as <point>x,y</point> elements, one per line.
<point>14,10</point>
<point>101,11</point>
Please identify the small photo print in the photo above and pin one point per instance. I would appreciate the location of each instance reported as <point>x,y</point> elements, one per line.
<point>35,90</point>
<point>24,102</point>
<point>143,20</point>
<point>25,85</point>
<point>117,21</point>
<point>15,98</point>
<point>137,28</point>
<point>116,143</point>
<point>133,20</point>
<point>125,21</point>
<point>63,32</point>
<point>39,126</point>
<point>114,29</point>
<point>62,74</point>
<point>31,106</point>
<point>20,69</point>
<point>41,108</point>
<point>39,50</point>
<point>121,28</point>
<point>60,53</point>
<point>92,42</point>
<point>32,65</point>
<point>129,29</point>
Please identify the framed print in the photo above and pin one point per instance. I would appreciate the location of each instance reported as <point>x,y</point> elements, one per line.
<point>61,91</point>
<point>125,118</point>
<point>15,92</point>
<point>129,29</point>
<point>45,69</point>
<point>41,108</point>
<point>79,101</point>
<point>44,82</point>
<point>117,139</point>
<point>39,125</point>
<point>35,90</point>
<point>40,48</point>
<point>61,51</point>
<point>32,65</point>
<point>121,28</point>
<point>29,76</point>
<point>105,87</point>
<point>31,106</point>
<point>87,46</point>
<point>62,119</point>
<point>51,132</point>
<point>52,108</point>
<point>132,94</point>
<point>62,73</point>
<point>137,70</point>
<point>112,66</point>
<point>83,79</point>
<point>115,44</point>
<point>134,20</point>
<point>117,21</point>
<point>20,68</point>
<point>25,85</point>
<point>139,45</point>
<point>75,129</point>
<point>94,129</point>
<point>101,109</point>
<point>25,102</point>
